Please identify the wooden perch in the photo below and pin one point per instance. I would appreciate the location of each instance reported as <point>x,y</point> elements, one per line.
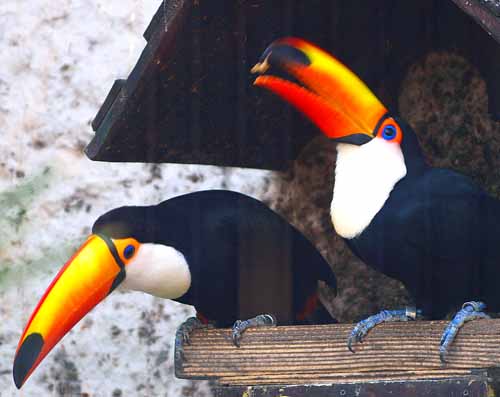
<point>303,355</point>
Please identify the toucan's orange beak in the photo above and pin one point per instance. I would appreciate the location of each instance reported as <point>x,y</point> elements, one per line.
<point>86,279</point>
<point>333,98</point>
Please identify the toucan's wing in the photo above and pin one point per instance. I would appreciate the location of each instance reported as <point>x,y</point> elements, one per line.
<point>453,227</point>
<point>451,216</point>
<point>309,260</point>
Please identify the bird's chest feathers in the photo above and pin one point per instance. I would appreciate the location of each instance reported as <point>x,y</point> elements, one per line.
<point>364,177</point>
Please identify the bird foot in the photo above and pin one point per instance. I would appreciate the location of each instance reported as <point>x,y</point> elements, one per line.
<point>363,327</point>
<point>470,311</point>
<point>240,326</point>
<point>183,335</point>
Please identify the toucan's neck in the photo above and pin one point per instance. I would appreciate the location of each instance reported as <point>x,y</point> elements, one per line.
<point>364,177</point>
<point>414,158</point>
<point>158,270</point>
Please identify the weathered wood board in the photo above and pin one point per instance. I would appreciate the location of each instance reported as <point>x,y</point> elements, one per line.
<point>305,355</point>
<point>474,386</point>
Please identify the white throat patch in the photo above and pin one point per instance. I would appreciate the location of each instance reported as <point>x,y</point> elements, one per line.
<point>158,270</point>
<point>364,177</point>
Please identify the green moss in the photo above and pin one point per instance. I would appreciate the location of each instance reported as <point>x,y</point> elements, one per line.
<point>13,274</point>
<point>4,272</point>
<point>14,205</point>
<point>14,225</point>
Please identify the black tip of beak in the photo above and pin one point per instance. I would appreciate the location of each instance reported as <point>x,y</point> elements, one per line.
<point>26,357</point>
<point>279,54</point>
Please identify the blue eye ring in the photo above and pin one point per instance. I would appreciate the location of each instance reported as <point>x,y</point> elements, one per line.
<point>389,132</point>
<point>129,251</point>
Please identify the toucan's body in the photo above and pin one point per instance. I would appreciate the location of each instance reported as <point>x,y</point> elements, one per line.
<point>433,229</point>
<point>221,233</point>
<point>225,253</point>
<point>439,234</point>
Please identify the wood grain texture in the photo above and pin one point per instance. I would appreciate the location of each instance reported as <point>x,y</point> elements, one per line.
<point>318,354</point>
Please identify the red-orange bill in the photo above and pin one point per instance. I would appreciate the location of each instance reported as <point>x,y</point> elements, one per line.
<point>333,97</point>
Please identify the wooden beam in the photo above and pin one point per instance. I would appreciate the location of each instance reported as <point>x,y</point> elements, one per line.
<point>301,355</point>
<point>484,13</point>
<point>475,385</point>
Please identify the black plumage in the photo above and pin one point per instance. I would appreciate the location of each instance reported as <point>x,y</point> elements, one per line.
<point>439,233</point>
<point>222,234</point>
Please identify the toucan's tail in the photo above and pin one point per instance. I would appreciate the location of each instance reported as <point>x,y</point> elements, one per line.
<point>321,315</point>
<point>329,278</point>
<point>309,268</point>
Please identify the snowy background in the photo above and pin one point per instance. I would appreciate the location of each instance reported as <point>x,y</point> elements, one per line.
<point>58,61</point>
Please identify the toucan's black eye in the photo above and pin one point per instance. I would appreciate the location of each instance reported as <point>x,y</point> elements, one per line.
<point>389,132</point>
<point>128,252</point>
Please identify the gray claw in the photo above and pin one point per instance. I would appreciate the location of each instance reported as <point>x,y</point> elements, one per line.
<point>363,327</point>
<point>236,334</point>
<point>183,335</point>
<point>188,327</point>
<point>240,326</point>
<point>470,311</point>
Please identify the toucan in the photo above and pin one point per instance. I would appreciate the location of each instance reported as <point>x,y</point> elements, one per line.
<point>433,229</point>
<point>202,249</point>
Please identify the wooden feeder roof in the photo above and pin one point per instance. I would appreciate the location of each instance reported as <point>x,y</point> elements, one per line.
<point>190,98</point>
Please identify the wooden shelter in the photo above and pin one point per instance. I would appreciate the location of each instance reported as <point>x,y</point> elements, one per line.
<point>190,98</point>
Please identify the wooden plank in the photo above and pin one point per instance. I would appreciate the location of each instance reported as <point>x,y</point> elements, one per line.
<point>318,354</point>
<point>474,385</point>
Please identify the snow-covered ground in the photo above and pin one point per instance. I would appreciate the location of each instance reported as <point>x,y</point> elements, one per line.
<point>58,59</point>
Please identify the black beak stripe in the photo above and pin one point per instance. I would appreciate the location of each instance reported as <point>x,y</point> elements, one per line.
<point>121,275</point>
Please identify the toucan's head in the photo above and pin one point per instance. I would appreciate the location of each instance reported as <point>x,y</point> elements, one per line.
<point>331,96</point>
<point>120,251</point>
<point>375,150</point>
